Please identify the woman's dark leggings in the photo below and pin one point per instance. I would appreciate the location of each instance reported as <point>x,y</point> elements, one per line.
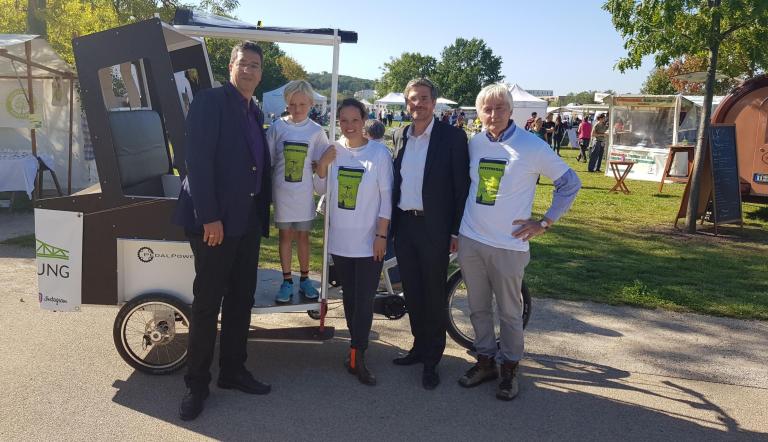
<point>359,279</point>
<point>557,143</point>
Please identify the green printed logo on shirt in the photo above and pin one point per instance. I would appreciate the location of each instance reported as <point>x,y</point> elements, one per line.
<point>295,154</point>
<point>490,172</point>
<point>349,181</point>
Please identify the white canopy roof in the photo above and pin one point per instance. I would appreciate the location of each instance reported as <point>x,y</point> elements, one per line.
<point>524,104</point>
<point>43,56</point>
<point>392,98</point>
<point>522,98</point>
<point>443,100</point>
<point>274,101</point>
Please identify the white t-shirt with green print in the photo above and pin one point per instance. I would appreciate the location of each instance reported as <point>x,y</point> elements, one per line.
<point>293,147</point>
<point>503,183</point>
<point>361,183</point>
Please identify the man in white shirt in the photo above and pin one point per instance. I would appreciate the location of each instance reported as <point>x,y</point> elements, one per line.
<point>428,197</point>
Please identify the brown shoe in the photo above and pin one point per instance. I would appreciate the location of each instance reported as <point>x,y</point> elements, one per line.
<point>483,370</point>
<point>508,387</point>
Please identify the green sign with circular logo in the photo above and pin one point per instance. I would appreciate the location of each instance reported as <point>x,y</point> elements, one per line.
<point>16,104</point>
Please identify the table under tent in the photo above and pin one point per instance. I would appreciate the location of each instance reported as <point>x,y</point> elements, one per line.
<point>114,243</point>
<point>40,121</point>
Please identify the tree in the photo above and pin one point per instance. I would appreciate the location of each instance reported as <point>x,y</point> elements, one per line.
<point>399,71</point>
<point>65,18</point>
<point>465,67</point>
<point>674,28</point>
<point>658,83</point>
<point>13,20</point>
<point>291,69</point>
<point>583,97</point>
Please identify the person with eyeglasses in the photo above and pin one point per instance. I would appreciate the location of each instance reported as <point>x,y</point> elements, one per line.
<point>224,209</point>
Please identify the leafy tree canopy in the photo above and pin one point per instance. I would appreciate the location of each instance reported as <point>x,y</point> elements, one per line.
<point>399,71</point>
<point>658,83</point>
<point>672,29</point>
<point>465,67</point>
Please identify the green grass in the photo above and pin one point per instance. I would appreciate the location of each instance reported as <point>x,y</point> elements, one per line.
<point>622,249</point>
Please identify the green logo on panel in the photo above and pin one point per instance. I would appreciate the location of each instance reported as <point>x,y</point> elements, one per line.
<point>45,250</point>
<point>295,155</point>
<point>16,104</point>
<point>349,181</point>
<point>490,172</point>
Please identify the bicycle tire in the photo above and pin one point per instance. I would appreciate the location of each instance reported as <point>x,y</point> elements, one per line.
<point>152,338</point>
<point>457,313</point>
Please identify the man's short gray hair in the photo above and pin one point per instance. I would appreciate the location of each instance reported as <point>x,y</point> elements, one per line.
<point>298,87</point>
<point>374,129</point>
<point>421,82</point>
<point>496,90</point>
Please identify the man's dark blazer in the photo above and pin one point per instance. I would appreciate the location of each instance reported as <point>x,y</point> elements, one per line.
<point>446,180</point>
<point>220,178</point>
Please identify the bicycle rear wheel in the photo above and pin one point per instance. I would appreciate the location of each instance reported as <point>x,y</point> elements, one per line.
<point>459,325</point>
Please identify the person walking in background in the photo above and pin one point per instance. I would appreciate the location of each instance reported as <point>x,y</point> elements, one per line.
<point>549,129</point>
<point>495,233</point>
<point>295,142</point>
<point>584,133</point>
<point>428,197</point>
<point>360,208</point>
<point>538,128</point>
<point>599,131</point>
<point>529,122</point>
<point>558,134</point>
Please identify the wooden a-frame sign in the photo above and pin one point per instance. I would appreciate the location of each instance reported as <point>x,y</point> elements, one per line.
<point>719,197</point>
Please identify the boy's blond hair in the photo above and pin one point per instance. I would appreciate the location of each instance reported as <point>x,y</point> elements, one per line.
<point>298,86</point>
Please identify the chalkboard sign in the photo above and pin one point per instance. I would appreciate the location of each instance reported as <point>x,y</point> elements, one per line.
<point>726,196</point>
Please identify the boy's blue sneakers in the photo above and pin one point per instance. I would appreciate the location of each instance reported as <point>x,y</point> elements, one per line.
<point>285,292</point>
<point>308,290</point>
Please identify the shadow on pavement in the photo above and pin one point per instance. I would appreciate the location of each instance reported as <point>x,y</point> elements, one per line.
<point>313,397</point>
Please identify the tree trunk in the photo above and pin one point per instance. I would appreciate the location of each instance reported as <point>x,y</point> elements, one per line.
<point>35,24</point>
<point>701,145</point>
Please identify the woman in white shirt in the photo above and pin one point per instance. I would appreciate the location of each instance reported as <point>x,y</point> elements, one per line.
<point>360,207</point>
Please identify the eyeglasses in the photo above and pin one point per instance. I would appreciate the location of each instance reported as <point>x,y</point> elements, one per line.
<point>249,66</point>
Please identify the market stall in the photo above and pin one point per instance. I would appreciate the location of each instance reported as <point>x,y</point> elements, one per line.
<point>40,117</point>
<point>643,127</point>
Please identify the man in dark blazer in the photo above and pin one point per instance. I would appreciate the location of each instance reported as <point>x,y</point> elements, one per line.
<point>224,208</point>
<point>430,190</point>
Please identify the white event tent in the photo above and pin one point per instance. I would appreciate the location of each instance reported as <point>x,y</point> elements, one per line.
<point>274,102</point>
<point>391,98</point>
<point>525,103</point>
<point>29,66</point>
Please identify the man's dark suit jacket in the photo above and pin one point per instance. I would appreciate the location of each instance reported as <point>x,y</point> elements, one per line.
<point>446,180</point>
<point>221,174</point>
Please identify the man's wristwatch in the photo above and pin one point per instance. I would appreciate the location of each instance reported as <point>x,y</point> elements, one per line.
<point>544,224</point>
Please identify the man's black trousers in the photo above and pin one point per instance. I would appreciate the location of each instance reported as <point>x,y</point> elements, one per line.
<point>225,279</point>
<point>424,270</point>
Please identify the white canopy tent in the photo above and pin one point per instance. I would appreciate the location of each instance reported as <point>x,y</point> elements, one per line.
<point>274,102</point>
<point>524,104</point>
<point>29,67</point>
<point>391,98</point>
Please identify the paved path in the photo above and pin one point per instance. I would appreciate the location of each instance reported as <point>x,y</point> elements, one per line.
<point>592,372</point>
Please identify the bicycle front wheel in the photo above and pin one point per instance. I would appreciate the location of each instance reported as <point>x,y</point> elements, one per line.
<point>459,325</point>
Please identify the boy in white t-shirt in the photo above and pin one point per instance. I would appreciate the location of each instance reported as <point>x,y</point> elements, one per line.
<point>295,144</point>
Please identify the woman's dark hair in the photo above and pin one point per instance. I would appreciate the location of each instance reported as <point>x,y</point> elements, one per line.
<point>353,103</point>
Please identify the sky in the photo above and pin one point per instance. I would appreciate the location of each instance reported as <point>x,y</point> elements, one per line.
<point>558,45</point>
